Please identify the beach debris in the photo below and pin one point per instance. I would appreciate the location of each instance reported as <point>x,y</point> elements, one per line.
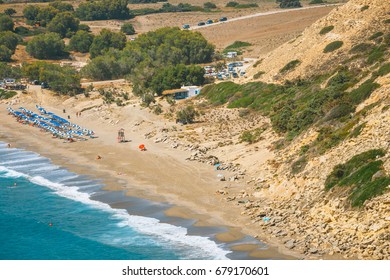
<point>142,147</point>
<point>266,219</point>
<point>221,177</point>
<point>98,157</point>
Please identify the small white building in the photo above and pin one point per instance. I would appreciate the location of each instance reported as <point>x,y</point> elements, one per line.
<point>231,54</point>
<point>192,90</point>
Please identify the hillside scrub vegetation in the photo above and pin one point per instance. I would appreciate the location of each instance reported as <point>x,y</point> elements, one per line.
<point>8,43</point>
<point>363,173</point>
<point>107,40</point>
<point>289,3</point>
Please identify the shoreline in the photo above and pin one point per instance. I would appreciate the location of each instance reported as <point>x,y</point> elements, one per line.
<point>78,157</point>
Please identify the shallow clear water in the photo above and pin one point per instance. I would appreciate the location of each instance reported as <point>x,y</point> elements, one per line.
<point>52,213</point>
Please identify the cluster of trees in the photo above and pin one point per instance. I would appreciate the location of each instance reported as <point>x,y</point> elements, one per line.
<point>8,43</point>
<point>289,3</point>
<point>65,80</point>
<point>156,61</point>
<point>104,9</point>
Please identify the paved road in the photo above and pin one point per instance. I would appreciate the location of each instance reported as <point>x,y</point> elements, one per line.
<point>264,14</point>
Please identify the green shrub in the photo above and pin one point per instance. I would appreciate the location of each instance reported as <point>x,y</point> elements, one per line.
<point>356,132</point>
<point>361,48</point>
<point>236,46</point>
<point>5,94</point>
<point>209,5</point>
<point>333,46</point>
<point>290,66</point>
<point>252,136</point>
<point>386,21</point>
<point>342,171</point>
<point>245,6</point>
<point>339,111</point>
<point>364,8</point>
<point>258,74</point>
<point>46,46</point>
<point>326,29</point>
<point>186,115</point>
<point>361,93</point>
<point>376,54</point>
<point>299,165</point>
<point>232,4</point>
<point>368,191</point>
<point>312,2</point>
<point>128,29</point>
<point>376,35</point>
<point>384,70</point>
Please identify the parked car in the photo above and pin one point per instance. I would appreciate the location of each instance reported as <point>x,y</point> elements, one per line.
<point>223,19</point>
<point>44,85</point>
<point>186,26</point>
<point>209,21</point>
<point>201,23</point>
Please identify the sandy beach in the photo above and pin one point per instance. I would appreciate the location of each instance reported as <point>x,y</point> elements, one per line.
<point>158,174</point>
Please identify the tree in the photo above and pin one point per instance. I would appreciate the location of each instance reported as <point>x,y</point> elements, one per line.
<point>5,53</point>
<point>128,29</point>
<point>46,46</point>
<point>46,14</point>
<point>6,23</point>
<point>106,40</point>
<point>10,40</point>
<point>81,41</point>
<point>31,12</point>
<point>64,24</point>
<point>10,12</point>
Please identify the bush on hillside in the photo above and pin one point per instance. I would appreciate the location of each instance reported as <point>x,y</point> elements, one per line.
<point>326,29</point>
<point>128,29</point>
<point>6,23</point>
<point>209,5</point>
<point>290,66</point>
<point>232,4</point>
<point>81,41</point>
<point>62,6</point>
<point>64,24</point>
<point>106,40</point>
<point>333,46</point>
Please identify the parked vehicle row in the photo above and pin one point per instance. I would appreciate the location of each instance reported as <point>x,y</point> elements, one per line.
<point>209,21</point>
<point>232,70</point>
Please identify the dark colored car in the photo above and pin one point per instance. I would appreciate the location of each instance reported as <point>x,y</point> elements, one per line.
<point>209,21</point>
<point>223,19</point>
<point>186,26</point>
<point>201,23</point>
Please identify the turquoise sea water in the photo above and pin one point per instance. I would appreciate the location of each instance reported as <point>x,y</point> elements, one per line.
<point>49,213</point>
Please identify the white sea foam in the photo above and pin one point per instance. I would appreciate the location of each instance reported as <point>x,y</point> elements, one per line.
<point>166,234</point>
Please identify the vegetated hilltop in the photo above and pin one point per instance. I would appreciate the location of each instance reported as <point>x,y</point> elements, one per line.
<point>319,162</point>
<point>344,27</point>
